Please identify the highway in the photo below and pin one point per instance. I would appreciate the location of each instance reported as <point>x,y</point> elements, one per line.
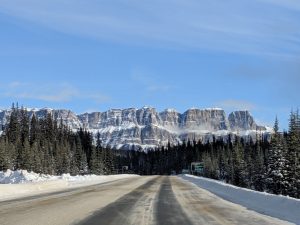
<point>143,200</point>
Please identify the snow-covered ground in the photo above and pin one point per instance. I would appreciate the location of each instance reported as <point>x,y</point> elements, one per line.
<point>20,183</point>
<point>281,207</point>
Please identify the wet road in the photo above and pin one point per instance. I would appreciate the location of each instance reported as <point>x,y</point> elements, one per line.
<point>139,200</point>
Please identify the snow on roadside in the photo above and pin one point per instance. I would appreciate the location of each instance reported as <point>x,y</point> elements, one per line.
<point>22,176</point>
<point>21,183</point>
<point>281,207</point>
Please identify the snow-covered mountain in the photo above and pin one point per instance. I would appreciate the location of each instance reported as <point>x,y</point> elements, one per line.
<point>131,128</point>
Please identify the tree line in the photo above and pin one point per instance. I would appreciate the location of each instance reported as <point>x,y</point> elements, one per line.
<point>46,145</point>
<point>271,165</point>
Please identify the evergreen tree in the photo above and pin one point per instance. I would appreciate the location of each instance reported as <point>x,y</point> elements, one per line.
<point>276,163</point>
<point>97,164</point>
<point>24,125</point>
<point>34,130</point>
<point>13,129</point>
<point>4,156</point>
<point>46,145</point>
<point>238,163</point>
<point>257,160</point>
<point>37,155</point>
<point>292,157</point>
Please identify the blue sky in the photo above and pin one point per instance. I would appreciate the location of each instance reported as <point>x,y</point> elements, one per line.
<point>95,55</point>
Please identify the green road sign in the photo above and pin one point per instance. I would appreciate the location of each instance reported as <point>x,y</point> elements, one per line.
<point>197,167</point>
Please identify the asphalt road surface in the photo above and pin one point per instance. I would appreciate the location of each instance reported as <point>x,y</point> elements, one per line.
<point>144,200</point>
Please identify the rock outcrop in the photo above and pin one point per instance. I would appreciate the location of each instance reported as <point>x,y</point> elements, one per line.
<point>132,128</point>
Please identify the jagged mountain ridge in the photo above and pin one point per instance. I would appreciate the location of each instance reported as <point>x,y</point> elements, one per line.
<point>145,127</point>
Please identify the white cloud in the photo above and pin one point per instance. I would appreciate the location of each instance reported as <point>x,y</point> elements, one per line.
<point>159,88</point>
<point>290,4</point>
<point>49,92</point>
<point>63,92</point>
<point>233,104</point>
<point>89,110</point>
<point>247,27</point>
<point>149,81</point>
<point>16,84</point>
<point>98,98</point>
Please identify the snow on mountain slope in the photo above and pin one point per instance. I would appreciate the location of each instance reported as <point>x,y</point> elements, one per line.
<point>133,128</point>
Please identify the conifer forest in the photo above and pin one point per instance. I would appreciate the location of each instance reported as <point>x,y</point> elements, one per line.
<point>45,145</point>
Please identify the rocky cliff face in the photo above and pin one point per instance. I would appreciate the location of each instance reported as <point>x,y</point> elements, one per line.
<point>207,120</point>
<point>132,128</point>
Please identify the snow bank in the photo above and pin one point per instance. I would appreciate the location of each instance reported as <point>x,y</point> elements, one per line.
<point>22,176</point>
<point>20,183</point>
<point>281,207</point>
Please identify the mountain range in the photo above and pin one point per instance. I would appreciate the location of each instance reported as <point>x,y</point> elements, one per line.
<point>146,128</point>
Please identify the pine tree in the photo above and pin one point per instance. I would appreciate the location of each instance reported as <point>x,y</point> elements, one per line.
<point>292,156</point>
<point>24,125</point>
<point>66,162</point>
<point>96,161</point>
<point>97,166</point>
<point>13,129</point>
<point>239,176</point>
<point>297,163</point>
<point>34,130</point>
<point>274,178</point>
<point>4,157</point>
<point>293,144</point>
<point>73,165</point>
<point>37,162</point>
<point>27,157</point>
<point>80,156</point>
<point>257,160</point>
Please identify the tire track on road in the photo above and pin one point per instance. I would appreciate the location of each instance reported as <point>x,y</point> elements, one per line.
<point>133,208</point>
<point>203,207</point>
<point>168,209</point>
<point>60,208</point>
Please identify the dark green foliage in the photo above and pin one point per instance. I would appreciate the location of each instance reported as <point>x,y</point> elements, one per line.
<point>293,156</point>
<point>4,156</point>
<point>275,171</point>
<point>259,165</point>
<point>45,145</point>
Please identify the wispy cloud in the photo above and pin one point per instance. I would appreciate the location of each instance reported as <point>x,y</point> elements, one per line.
<point>98,98</point>
<point>247,27</point>
<point>234,104</point>
<point>290,4</point>
<point>149,82</point>
<point>16,84</point>
<point>63,92</point>
<point>159,88</point>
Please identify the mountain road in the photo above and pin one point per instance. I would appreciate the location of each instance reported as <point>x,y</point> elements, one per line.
<point>141,200</point>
